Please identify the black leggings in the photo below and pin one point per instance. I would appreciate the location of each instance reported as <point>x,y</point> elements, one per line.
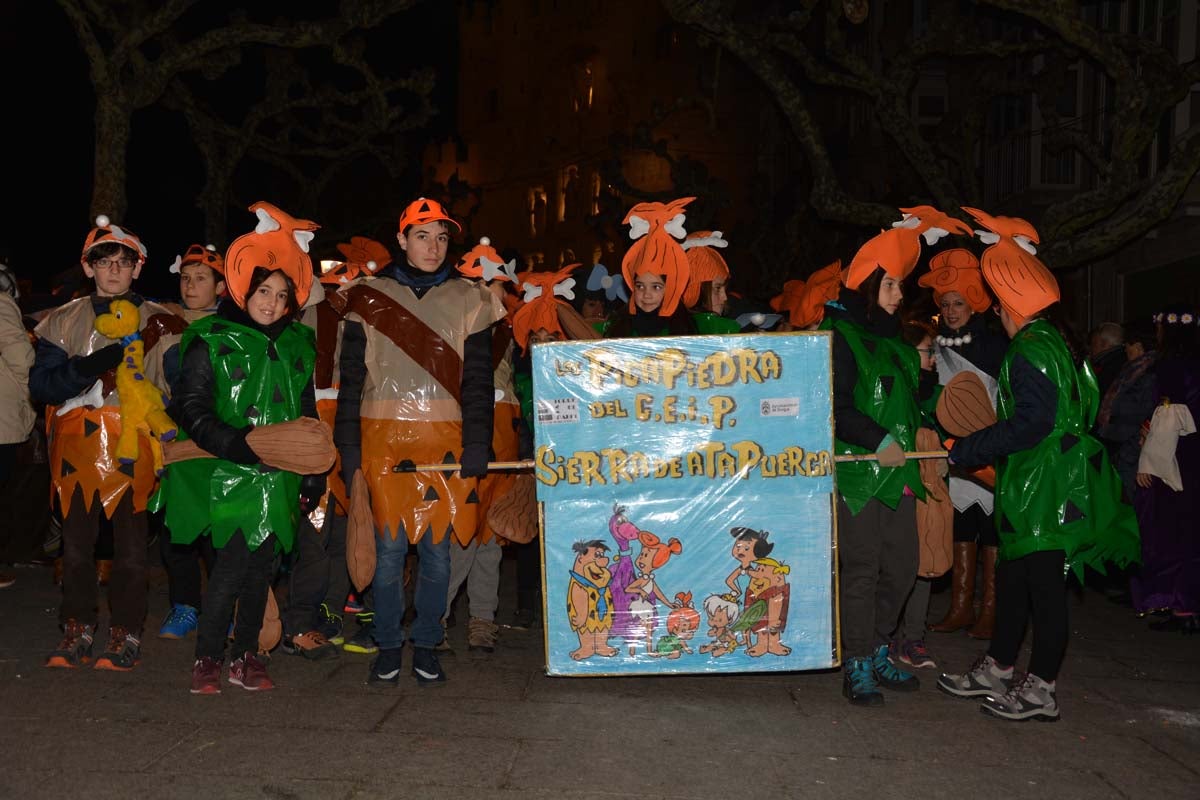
<point>975,525</point>
<point>1032,587</point>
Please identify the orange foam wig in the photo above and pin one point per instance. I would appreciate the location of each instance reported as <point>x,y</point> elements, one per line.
<point>656,229</point>
<point>957,270</point>
<point>278,242</point>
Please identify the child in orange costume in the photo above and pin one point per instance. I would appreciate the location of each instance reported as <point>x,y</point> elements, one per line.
<point>416,387</point>
<point>476,554</point>
<point>74,374</point>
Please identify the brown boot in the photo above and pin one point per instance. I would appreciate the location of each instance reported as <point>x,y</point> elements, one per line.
<point>962,587</point>
<point>982,629</point>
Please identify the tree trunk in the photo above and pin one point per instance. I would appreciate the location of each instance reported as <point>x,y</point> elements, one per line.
<point>113,122</point>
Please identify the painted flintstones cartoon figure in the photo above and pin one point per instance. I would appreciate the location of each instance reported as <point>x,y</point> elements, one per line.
<point>646,592</point>
<point>748,545</point>
<point>589,600</point>
<point>768,601</point>
<point>723,612</point>
<point>682,623</point>
<point>624,533</point>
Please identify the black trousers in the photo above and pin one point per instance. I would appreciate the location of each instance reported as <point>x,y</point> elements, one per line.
<point>878,555</point>
<point>975,525</point>
<point>318,573</point>
<point>182,563</point>
<point>529,575</point>
<point>1032,588</point>
<point>242,576</point>
<point>127,585</point>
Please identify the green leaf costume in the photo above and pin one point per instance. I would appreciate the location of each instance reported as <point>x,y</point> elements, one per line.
<point>886,391</point>
<point>258,382</point>
<point>710,323</point>
<point>1062,494</point>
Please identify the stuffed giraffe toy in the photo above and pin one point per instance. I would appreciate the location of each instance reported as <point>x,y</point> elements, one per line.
<point>142,405</point>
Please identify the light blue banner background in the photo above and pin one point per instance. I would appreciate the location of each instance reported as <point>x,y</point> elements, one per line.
<point>577,412</point>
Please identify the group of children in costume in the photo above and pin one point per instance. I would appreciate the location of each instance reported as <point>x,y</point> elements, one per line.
<point>423,375</point>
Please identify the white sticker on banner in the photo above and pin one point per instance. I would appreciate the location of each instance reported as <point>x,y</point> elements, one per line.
<point>562,410</point>
<point>779,407</point>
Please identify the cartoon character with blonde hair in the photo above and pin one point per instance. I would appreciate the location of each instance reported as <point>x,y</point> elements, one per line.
<point>723,612</point>
<point>767,603</point>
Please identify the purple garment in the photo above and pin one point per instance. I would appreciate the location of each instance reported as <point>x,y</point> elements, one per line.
<point>623,572</point>
<point>1169,576</point>
<point>624,624</point>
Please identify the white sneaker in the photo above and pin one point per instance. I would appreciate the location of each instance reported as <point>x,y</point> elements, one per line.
<point>985,679</point>
<point>1029,698</point>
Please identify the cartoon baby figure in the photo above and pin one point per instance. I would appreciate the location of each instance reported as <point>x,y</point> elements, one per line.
<point>589,600</point>
<point>767,601</point>
<point>646,592</point>
<point>722,611</point>
<point>682,623</point>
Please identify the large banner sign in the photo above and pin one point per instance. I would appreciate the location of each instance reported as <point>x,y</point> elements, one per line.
<point>686,489</point>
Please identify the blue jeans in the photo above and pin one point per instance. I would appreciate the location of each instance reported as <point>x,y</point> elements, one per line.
<point>429,597</point>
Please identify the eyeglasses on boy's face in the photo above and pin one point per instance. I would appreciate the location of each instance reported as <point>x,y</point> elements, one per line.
<point>113,263</point>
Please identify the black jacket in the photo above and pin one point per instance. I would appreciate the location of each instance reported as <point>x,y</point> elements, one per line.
<point>987,346</point>
<point>1036,399</point>
<point>849,424</point>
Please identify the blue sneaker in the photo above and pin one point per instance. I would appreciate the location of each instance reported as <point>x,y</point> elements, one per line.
<point>858,683</point>
<point>889,675</point>
<point>180,621</point>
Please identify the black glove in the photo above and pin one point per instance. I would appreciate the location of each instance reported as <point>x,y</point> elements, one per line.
<point>475,458</point>
<point>100,362</point>
<point>312,489</point>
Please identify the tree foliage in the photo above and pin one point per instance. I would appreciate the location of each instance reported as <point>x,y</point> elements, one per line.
<point>146,52</point>
<point>818,52</point>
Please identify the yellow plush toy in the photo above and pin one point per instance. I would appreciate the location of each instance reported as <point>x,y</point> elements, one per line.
<point>142,406</point>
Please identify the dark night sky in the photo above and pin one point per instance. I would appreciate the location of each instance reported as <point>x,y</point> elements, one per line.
<point>48,144</point>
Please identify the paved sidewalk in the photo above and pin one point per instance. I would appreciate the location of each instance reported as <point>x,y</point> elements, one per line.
<point>500,728</point>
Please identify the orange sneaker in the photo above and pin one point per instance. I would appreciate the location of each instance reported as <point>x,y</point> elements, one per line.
<point>75,647</point>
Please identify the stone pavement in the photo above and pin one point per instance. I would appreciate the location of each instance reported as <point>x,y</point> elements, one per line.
<point>500,728</point>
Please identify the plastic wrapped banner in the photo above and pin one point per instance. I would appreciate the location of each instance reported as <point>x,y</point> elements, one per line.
<point>686,488</point>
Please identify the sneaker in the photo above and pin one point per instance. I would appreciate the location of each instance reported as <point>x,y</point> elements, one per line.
<point>985,678</point>
<point>915,654</point>
<point>311,645</point>
<point>181,620</point>
<point>858,683</point>
<point>385,669</point>
<point>889,675</point>
<point>250,673</point>
<point>330,625</point>
<point>353,604</point>
<point>75,647</point>
<point>122,653</point>
<point>426,668</point>
<point>481,635</point>
<point>206,676</point>
<point>363,640</point>
<point>1028,698</point>
<point>6,580</point>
